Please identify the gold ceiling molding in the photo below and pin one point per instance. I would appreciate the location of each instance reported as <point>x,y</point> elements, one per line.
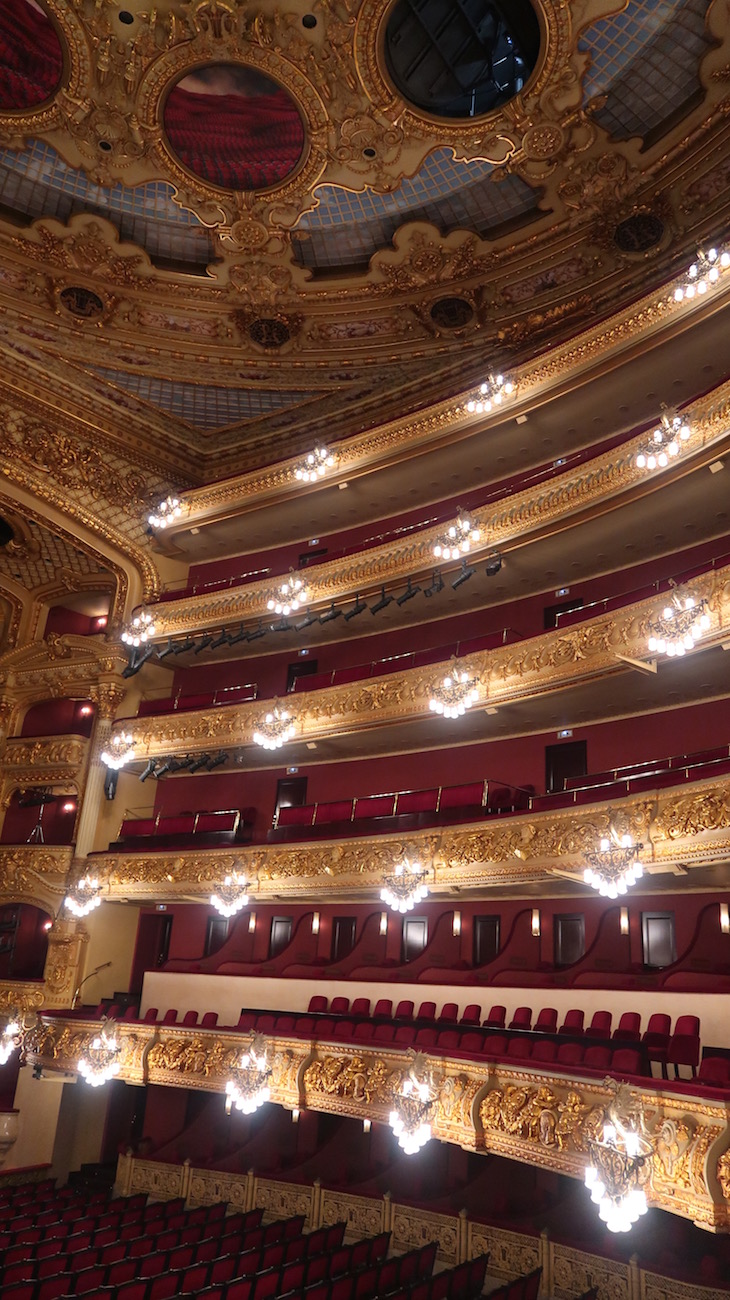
<point>530,1115</point>
<point>69,666</point>
<point>686,828</point>
<point>35,873</point>
<point>523,670</point>
<point>449,421</point>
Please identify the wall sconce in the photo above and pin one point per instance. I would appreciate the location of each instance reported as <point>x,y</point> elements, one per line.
<point>383,922</point>
<point>85,710</point>
<point>315,922</point>
<point>367,1124</point>
<point>624,920</point>
<point>251,922</point>
<point>724,918</point>
<point>295,1116</point>
<point>456,926</point>
<point>536,922</point>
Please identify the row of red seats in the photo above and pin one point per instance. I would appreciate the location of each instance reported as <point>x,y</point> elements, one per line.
<point>180,703</point>
<point>649,767</point>
<point>522,1288</point>
<point>222,825</point>
<point>465,1282</point>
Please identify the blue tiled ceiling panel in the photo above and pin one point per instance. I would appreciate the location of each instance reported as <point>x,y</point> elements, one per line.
<point>201,406</point>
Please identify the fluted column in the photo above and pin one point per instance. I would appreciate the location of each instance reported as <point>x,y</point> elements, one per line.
<point>107,697</point>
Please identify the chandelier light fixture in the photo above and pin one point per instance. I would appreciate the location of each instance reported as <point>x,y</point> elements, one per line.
<point>100,1062</point>
<point>619,1170</point>
<point>120,751</point>
<point>410,1118</point>
<point>490,394</point>
<point>10,1037</point>
<point>458,538</point>
<point>84,897</point>
<point>664,442</point>
<point>315,465</point>
<point>680,626</point>
<point>614,866</point>
<point>143,627</point>
<point>703,274</point>
<point>249,1087</point>
<point>291,596</point>
<point>454,694</point>
<point>276,728</point>
<point>405,886</point>
<point>167,511</point>
<point>231,897</point>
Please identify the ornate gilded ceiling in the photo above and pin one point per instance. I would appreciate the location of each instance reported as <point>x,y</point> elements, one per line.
<point>325,290</point>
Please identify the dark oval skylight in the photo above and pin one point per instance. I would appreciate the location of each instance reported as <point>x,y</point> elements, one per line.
<point>461,58</point>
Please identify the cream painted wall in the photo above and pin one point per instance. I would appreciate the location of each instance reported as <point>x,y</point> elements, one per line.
<point>226,994</point>
<point>80,1128</point>
<point>38,1101</point>
<point>112,935</point>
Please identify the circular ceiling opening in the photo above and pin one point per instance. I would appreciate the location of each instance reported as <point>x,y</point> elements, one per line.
<point>31,58</point>
<point>461,58</point>
<point>234,127</point>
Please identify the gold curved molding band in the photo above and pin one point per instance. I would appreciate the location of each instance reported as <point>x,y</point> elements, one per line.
<point>529,1115</point>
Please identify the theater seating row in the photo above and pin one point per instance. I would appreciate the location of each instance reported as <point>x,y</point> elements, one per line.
<point>525,1288</point>
<point>181,703</point>
<point>227,826</point>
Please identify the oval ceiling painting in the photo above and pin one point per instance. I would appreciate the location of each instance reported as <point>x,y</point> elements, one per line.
<point>234,127</point>
<point>31,58</point>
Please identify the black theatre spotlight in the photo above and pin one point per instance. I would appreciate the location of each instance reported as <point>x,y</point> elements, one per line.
<point>180,764</point>
<point>357,608</point>
<point>164,768</point>
<point>221,639</point>
<point>494,564</point>
<point>308,621</point>
<point>257,632</point>
<point>332,612</point>
<point>282,626</point>
<point>408,594</point>
<point>167,650</point>
<point>240,635</point>
<point>199,763</point>
<point>149,770</point>
<point>467,572</point>
<point>217,761</point>
<point>437,584</point>
<point>181,647</point>
<point>382,603</point>
<point>203,642</point>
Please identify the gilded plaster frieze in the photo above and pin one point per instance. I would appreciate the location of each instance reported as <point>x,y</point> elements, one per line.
<point>606,478</point>
<point>35,873</point>
<point>521,671</point>
<point>679,830</point>
<point>528,1115</point>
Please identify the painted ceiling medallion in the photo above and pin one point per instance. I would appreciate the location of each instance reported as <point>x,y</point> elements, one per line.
<point>31,58</point>
<point>234,127</point>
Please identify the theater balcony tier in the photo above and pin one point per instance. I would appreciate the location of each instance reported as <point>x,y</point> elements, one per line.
<point>536,1116</point>
<point>680,829</point>
<point>610,477</point>
<point>394,708</point>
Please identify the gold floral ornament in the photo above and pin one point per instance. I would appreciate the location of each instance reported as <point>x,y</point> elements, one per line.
<point>703,274</point>
<point>231,896</point>
<point>664,442</point>
<point>614,866</point>
<point>620,1168</point>
<point>680,626</point>
<point>249,1089</point>
<point>100,1062</point>
<point>410,1118</point>
<point>84,897</point>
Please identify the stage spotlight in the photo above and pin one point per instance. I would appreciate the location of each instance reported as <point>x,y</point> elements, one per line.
<point>168,650</point>
<point>437,584</point>
<point>257,632</point>
<point>217,761</point>
<point>357,608</point>
<point>221,639</point>
<point>282,626</point>
<point>164,768</point>
<point>464,576</point>
<point>332,612</point>
<point>308,621</point>
<point>182,763</point>
<point>494,564</point>
<point>181,647</point>
<point>137,660</point>
<point>203,642</point>
<point>240,635</point>
<point>149,770</point>
<point>382,603</point>
<point>200,763</point>
<point>408,594</point>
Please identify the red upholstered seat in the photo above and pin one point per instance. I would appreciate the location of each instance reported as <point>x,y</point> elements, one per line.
<point>600,1026</point>
<point>522,1019</point>
<point>425,1038</point>
<point>344,1029</point>
<point>544,1050</point>
<point>210,1020</point>
<point>471,1042</point>
<point>449,1013</point>
<point>714,1072</point>
<point>684,1044</point>
<point>625,1061</point>
<point>339,1006</point>
<point>190,1018</point>
<point>404,1010</point>
<point>495,1045</point>
<point>385,1033</point>
<point>213,822</point>
<point>302,816</point>
<point>365,1030</point>
<point>573,1023</point>
<point>629,1027</point>
<point>597,1057</point>
<point>519,1049</point>
<point>417,801</point>
<point>374,805</point>
<point>656,1037</point>
<point>426,1011</point>
<point>405,1034</point>
<point>463,796</point>
<point>338,811</point>
<point>170,1017</point>
<point>137,828</point>
<point>360,1007</point>
<point>547,1021</point>
<point>384,1007</point>
<point>570,1054</point>
<point>472,1014</point>
<point>317,1004</point>
<point>448,1040</point>
<point>265,1022</point>
<point>497,1016</point>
